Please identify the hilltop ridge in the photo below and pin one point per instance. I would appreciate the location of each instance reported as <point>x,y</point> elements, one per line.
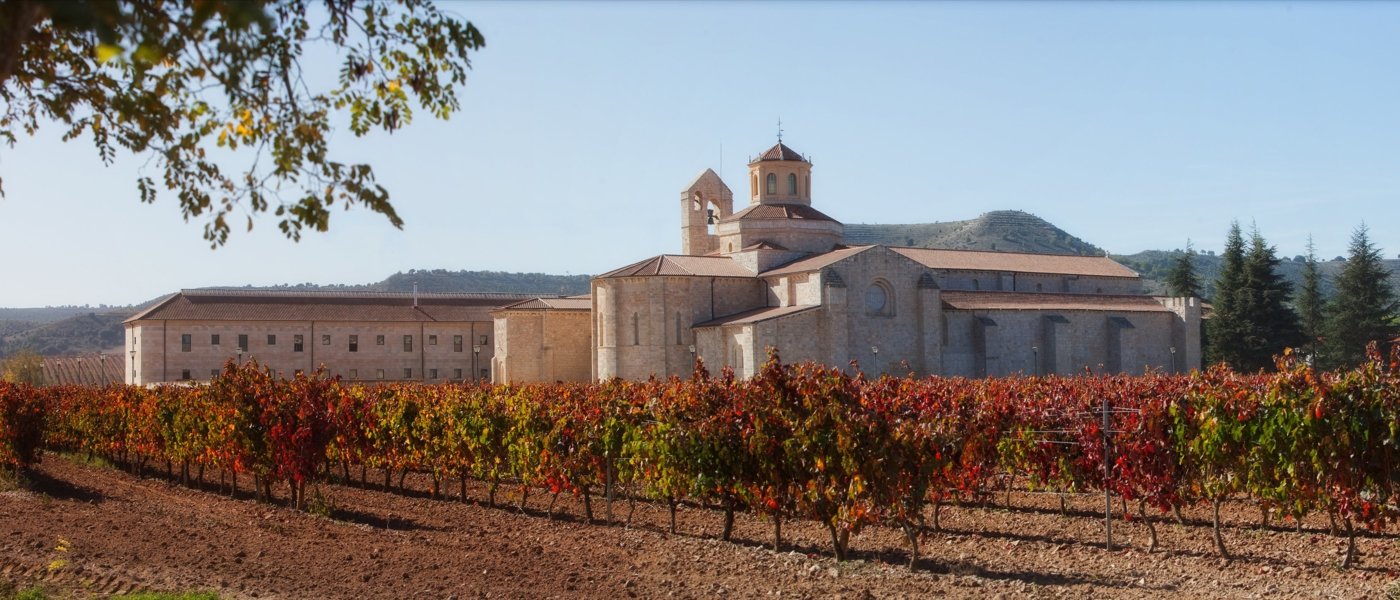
<point>998,230</point>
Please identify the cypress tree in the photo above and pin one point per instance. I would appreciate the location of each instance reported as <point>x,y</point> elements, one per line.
<point>1226,328</point>
<point>1310,304</point>
<point>1262,301</point>
<point>1364,308</point>
<point>1182,281</point>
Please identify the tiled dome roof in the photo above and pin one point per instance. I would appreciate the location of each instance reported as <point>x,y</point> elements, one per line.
<point>780,152</point>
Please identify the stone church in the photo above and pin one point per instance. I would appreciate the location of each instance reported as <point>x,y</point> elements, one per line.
<point>776,275</point>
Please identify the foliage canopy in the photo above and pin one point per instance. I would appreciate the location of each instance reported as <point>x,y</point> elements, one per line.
<point>198,85</point>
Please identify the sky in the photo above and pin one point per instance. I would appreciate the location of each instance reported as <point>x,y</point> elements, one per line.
<point>1133,126</point>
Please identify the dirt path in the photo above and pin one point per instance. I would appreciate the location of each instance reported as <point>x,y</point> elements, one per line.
<point>122,533</point>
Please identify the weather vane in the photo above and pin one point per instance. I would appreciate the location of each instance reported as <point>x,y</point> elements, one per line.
<point>780,130</point>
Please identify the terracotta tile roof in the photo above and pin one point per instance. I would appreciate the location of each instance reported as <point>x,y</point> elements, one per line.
<point>98,369</point>
<point>682,265</point>
<point>780,152</point>
<point>570,303</point>
<point>1029,301</point>
<point>757,315</point>
<point>778,211</point>
<point>249,305</point>
<point>1019,262</point>
<point>817,262</point>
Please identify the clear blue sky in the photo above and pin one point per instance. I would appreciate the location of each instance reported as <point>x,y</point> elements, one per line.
<point>1132,125</point>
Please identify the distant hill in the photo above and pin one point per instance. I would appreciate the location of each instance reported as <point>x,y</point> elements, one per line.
<point>89,333</point>
<point>441,280</point>
<point>1001,230</point>
<point>1155,265</point>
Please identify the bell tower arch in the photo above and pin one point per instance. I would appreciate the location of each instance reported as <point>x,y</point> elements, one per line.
<point>703,203</point>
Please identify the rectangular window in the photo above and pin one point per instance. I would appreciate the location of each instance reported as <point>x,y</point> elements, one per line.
<point>185,375</point>
<point>186,340</point>
<point>243,342</point>
<point>432,373</point>
<point>408,343</point>
<point>456,343</point>
<point>379,374</point>
<point>297,343</point>
<point>271,339</point>
<point>379,340</point>
<point>456,373</point>
<point>214,339</point>
<point>354,343</point>
<point>326,339</point>
<point>432,340</point>
<point>354,373</point>
<point>408,373</point>
<point>484,340</point>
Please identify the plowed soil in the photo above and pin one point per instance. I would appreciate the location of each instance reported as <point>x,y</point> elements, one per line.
<point>82,530</point>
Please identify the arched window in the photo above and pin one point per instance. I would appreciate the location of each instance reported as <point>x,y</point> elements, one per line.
<point>753,184</point>
<point>807,185</point>
<point>792,184</point>
<point>636,331</point>
<point>772,183</point>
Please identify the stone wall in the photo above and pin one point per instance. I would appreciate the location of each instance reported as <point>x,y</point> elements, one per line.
<point>644,324</point>
<point>542,346</point>
<point>162,356</point>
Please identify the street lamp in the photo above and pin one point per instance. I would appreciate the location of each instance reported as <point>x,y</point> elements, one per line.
<point>1035,359</point>
<point>476,351</point>
<point>875,350</point>
<point>240,356</point>
<point>1173,351</point>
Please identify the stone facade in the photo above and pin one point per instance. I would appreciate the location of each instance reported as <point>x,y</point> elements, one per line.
<point>543,341</point>
<point>359,337</point>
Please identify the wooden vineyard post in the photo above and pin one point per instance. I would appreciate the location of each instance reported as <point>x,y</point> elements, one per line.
<point>1107,492</point>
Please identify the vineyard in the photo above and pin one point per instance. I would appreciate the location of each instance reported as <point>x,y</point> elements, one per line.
<point>796,443</point>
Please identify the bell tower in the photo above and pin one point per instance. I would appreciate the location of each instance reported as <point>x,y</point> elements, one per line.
<point>703,203</point>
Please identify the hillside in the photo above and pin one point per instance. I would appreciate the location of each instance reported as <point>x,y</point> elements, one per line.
<point>89,333</point>
<point>1003,230</point>
<point>1154,265</point>
<point>441,280</point>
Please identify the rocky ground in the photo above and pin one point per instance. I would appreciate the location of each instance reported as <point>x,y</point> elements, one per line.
<point>81,530</point>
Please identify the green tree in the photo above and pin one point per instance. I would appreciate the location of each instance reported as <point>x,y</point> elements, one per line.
<point>1263,303</point>
<point>1364,308</point>
<point>199,84</point>
<point>1253,320</point>
<point>1310,303</point>
<point>24,366</point>
<point>1226,325</point>
<point>1182,280</point>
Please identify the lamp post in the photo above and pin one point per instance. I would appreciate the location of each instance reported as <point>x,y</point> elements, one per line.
<point>476,351</point>
<point>240,356</point>
<point>1172,350</point>
<point>1035,359</point>
<point>692,355</point>
<point>875,350</point>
